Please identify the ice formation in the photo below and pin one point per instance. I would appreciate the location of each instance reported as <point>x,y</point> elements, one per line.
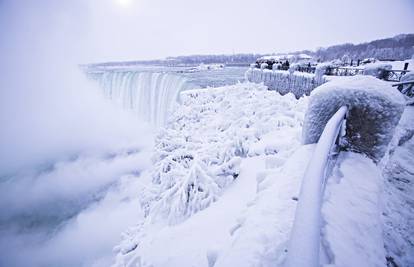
<point>199,155</point>
<point>191,170</point>
<point>150,95</point>
<point>297,83</point>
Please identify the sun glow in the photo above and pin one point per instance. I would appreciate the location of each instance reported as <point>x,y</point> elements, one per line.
<point>124,3</point>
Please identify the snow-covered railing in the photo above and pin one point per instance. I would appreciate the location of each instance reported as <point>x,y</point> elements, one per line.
<point>304,243</point>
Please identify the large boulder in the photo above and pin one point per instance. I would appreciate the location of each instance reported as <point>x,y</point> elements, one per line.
<point>377,69</point>
<point>374,111</point>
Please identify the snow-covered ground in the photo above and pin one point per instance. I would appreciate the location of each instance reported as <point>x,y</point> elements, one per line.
<point>398,214</point>
<point>352,232</point>
<point>225,181</point>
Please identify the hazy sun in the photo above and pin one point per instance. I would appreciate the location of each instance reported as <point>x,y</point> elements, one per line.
<point>124,3</point>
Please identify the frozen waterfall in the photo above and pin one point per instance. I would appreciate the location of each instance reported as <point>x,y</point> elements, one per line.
<point>150,95</point>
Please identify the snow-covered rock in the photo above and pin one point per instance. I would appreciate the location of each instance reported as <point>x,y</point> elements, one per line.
<point>374,111</point>
<point>377,69</point>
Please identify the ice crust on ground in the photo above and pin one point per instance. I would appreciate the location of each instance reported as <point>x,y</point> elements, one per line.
<point>374,111</point>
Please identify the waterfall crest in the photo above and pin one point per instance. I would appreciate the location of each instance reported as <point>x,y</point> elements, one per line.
<point>150,95</point>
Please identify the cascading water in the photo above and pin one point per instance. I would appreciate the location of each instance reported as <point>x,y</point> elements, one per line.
<point>150,95</point>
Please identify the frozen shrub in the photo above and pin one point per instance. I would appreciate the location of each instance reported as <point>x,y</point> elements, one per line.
<point>321,70</point>
<point>199,152</point>
<point>345,59</point>
<point>374,110</point>
<point>276,66</point>
<point>293,67</point>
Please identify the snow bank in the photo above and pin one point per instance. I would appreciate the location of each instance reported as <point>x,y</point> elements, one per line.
<point>398,195</point>
<point>352,226</point>
<point>374,110</point>
<point>261,235</point>
<point>297,83</point>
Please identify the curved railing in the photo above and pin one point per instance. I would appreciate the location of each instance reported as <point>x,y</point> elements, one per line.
<point>304,243</point>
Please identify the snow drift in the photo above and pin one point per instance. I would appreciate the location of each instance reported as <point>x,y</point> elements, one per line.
<point>374,111</point>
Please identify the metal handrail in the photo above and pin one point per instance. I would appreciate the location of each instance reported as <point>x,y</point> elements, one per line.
<point>304,246</point>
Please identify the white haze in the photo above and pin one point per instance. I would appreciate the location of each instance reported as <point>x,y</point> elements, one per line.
<point>62,145</point>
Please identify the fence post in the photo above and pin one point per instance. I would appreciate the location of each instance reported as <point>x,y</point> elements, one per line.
<point>406,66</point>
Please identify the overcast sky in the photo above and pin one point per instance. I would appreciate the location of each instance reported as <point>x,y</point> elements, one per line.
<point>102,30</point>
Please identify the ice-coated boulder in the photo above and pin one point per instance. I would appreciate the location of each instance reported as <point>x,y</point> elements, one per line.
<point>374,111</point>
<point>377,69</point>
